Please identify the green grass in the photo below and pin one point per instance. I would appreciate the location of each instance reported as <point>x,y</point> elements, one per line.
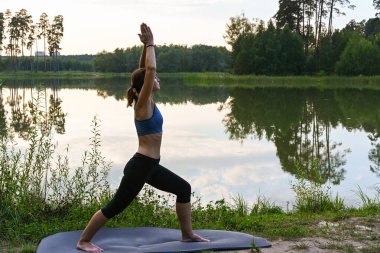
<point>253,81</point>
<point>223,79</point>
<point>368,202</point>
<point>314,197</point>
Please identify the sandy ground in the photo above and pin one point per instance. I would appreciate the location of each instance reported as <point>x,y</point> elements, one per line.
<point>350,235</point>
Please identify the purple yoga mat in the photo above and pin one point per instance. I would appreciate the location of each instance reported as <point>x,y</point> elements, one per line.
<point>151,239</point>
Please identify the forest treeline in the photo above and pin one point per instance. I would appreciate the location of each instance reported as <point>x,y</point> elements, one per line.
<point>270,50</point>
<point>59,63</point>
<point>172,58</point>
<point>300,39</point>
<point>19,37</point>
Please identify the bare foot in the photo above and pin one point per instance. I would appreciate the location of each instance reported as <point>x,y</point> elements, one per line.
<point>194,238</point>
<point>88,247</point>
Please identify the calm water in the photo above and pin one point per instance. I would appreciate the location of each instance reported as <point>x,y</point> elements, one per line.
<point>225,142</point>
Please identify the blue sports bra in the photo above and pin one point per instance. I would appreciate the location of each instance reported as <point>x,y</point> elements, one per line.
<point>152,125</point>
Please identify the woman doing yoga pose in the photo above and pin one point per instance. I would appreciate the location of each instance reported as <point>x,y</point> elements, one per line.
<point>144,166</point>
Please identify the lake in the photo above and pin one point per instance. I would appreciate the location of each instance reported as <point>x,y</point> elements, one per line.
<point>225,141</point>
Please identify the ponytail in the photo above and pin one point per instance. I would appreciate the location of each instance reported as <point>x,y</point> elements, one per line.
<point>131,96</point>
<point>137,81</point>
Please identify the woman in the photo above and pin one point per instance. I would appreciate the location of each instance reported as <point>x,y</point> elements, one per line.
<point>144,166</point>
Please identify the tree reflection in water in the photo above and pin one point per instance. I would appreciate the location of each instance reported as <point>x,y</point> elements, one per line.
<point>374,154</point>
<point>298,122</point>
<point>3,118</point>
<point>22,108</point>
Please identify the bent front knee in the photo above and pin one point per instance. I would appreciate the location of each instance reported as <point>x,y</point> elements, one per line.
<point>185,195</point>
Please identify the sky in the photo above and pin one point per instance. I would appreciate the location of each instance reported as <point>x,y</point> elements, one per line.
<point>91,26</point>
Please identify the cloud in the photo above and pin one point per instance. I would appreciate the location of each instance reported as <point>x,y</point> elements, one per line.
<point>246,175</point>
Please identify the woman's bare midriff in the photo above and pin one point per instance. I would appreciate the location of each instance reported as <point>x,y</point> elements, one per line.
<point>150,145</point>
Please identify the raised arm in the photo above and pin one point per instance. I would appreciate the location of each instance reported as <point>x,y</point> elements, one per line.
<point>142,57</point>
<point>146,37</point>
<point>145,42</point>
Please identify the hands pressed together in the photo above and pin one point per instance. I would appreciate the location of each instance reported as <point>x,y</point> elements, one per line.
<point>146,35</point>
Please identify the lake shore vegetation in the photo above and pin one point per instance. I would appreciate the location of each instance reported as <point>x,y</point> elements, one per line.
<point>213,79</point>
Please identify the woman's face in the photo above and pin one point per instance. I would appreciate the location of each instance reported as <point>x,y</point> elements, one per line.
<point>156,85</point>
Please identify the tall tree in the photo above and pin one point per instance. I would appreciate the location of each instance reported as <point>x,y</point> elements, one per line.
<point>38,37</point>
<point>55,34</point>
<point>8,18</point>
<point>24,21</point>
<point>333,7</point>
<point>289,14</point>
<point>298,15</point>
<point>31,39</point>
<point>307,28</point>
<point>14,37</point>
<point>238,26</point>
<point>320,13</point>
<point>43,28</point>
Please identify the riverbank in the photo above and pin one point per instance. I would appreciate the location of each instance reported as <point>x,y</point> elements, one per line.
<point>352,235</point>
<point>221,79</point>
<point>60,75</point>
<point>346,231</point>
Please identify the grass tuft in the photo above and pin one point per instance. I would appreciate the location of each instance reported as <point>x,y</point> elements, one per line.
<point>368,203</point>
<point>314,197</point>
<point>264,206</point>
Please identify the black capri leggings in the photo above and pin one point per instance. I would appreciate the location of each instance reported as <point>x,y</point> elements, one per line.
<point>142,169</point>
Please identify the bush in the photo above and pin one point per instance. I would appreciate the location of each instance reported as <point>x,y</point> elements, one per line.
<point>360,57</point>
<point>314,197</point>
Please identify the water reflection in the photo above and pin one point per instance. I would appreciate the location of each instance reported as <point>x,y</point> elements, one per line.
<point>299,122</point>
<point>174,91</point>
<point>22,108</point>
<point>374,154</point>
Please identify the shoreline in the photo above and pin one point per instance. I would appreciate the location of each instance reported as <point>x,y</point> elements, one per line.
<point>220,79</point>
